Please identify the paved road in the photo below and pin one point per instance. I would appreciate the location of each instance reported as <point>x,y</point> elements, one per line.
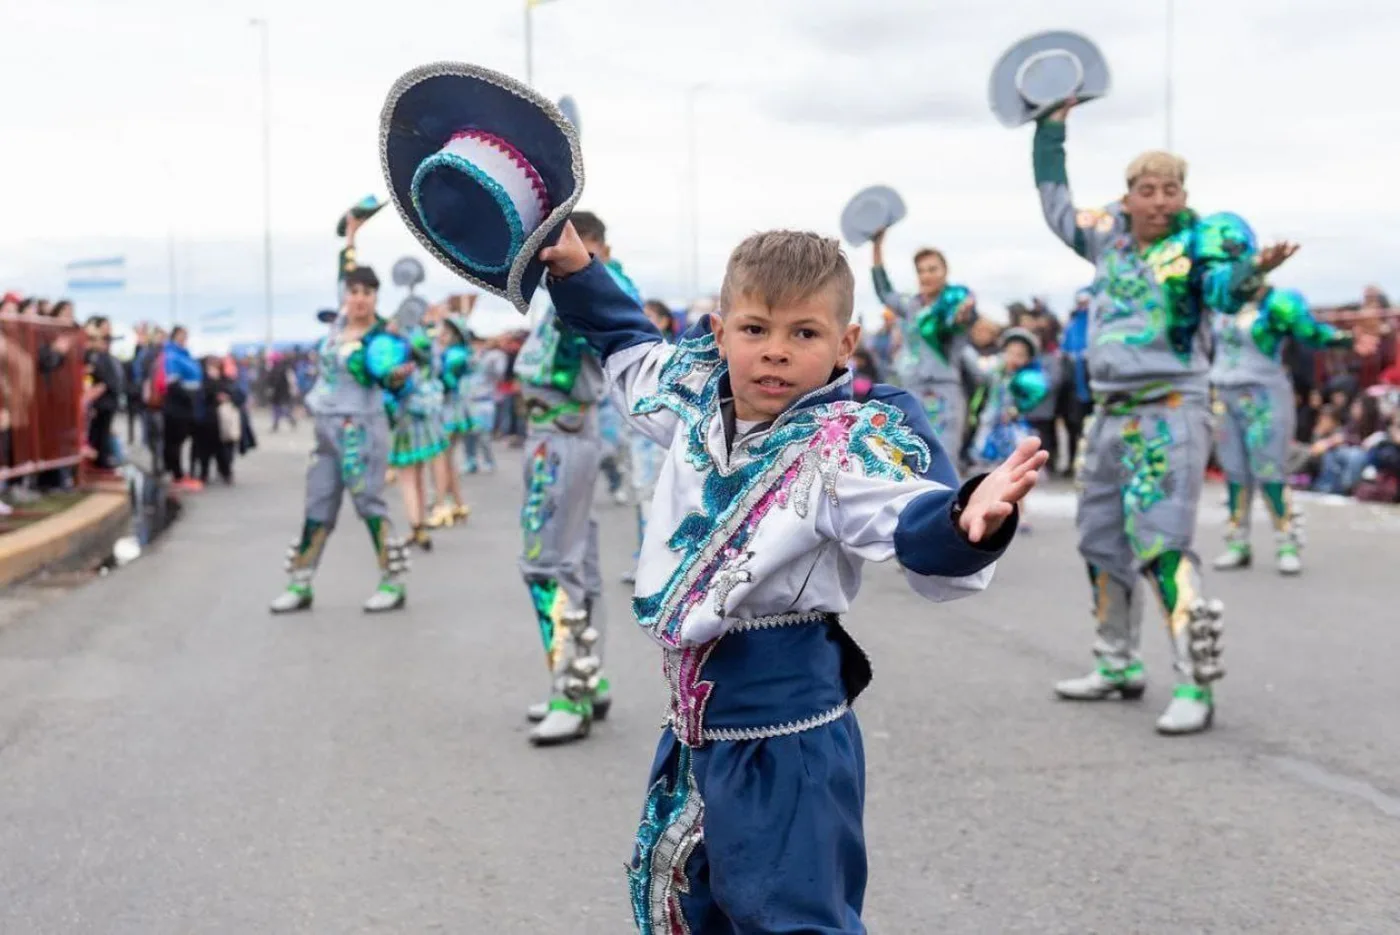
<point>173,760</point>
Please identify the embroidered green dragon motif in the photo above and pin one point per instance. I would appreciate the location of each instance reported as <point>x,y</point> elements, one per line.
<point>1145,460</point>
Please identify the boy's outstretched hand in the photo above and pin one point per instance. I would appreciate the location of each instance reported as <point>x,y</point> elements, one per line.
<point>568,256</point>
<point>996,497</point>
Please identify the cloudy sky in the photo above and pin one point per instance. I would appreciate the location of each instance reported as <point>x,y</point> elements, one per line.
<point>125,122</point>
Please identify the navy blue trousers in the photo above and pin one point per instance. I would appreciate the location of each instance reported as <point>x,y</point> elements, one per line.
<point>758,836</point>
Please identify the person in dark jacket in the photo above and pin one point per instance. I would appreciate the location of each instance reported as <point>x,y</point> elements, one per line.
<point>183,377</point>
<point>216,425</point>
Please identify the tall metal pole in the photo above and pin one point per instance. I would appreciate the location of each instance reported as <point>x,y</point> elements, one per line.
<point>529,43</point>
<point>1171,40</point>
<point>262,26</point>
<point>174,285</point>
<point>693,185</point>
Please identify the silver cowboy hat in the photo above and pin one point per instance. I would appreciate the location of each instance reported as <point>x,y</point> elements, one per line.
<point>484,171</point>
<point>1039,73</point>
<point>872,210</point>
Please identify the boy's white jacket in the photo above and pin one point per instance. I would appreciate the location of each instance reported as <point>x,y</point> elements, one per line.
<point>785,521</point>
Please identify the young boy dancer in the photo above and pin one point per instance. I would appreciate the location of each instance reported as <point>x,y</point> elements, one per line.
<point>358,362</point>
<point>1160,269</point>
<point>1254,406</point>
<point>775,491</point>
<point>934,325</point>
<point>562,383</point>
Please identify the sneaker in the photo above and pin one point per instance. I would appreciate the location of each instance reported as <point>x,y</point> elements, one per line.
<point>1103,683</point>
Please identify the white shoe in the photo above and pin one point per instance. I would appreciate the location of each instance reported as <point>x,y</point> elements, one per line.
<point>1104,683</point>
<point>1191,711</point>
<point>564,722</point>
<point>1289,562</point>
<point>296,597</point>
<point>1236,556</point>
<point>602,704</point>
<point>390,595</point>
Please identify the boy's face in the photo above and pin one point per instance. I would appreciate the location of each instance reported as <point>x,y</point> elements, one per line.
<point>777,355</point>
<point>1151,202</point>
<point>359,303</point>
<point>933,274</point>
<point>1017,355</point>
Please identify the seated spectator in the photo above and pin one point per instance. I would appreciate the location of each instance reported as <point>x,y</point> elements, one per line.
<point>1342,450</point>
<point>1380,478</point>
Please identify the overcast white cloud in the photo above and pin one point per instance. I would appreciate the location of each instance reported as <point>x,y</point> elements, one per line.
<point>125,121</point>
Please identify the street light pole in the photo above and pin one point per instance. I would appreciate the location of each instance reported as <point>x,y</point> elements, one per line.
<point>266,65</point>
<point>1171,40</point>
<point>693,185</point>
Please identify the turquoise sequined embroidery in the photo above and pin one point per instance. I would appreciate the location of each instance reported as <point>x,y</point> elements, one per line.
<point>508,213</point>
<point>803,445</point>
<point>670,829</point>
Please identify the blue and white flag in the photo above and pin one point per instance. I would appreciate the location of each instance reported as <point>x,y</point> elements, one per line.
<point>219,321</point>
<point>96,275</point>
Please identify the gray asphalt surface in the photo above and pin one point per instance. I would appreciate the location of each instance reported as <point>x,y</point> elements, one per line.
<point>175,760</point>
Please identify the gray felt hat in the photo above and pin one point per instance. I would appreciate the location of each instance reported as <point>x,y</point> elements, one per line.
<point>1039,73</point>
<point>869,212</point>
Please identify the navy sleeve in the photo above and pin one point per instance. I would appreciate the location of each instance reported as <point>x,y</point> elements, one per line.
<point>594,307</point>
<point>928,540</point>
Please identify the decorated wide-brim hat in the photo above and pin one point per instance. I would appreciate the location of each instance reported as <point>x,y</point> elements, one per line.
<point>484,171</point>
<point>872,210</point>
<point>367,207</point>
<point>1041,72</point>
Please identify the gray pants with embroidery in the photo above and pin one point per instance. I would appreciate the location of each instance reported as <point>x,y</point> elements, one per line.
<point>945,404</point>
<point>559,561</point>
<point>350,455</point>
<point>1253,431</point>
<point>1140,474</point>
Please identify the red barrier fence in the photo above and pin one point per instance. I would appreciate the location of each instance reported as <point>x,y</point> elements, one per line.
<point>42,371</point>
<point>1384,324</point>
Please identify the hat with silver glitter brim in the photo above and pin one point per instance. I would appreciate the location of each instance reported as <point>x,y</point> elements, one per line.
<point>483,170</point>
<point>1041,72</point>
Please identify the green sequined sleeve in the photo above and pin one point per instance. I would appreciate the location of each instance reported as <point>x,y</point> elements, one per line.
<point>939,324</point>
<point>1288,314</point>
<point>1029,387</point>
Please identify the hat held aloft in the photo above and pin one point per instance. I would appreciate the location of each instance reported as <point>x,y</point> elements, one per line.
<point>1041,72</point>
<point>483,170</point>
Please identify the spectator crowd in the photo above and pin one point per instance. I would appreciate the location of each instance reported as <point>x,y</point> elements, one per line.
<point>192,414</point>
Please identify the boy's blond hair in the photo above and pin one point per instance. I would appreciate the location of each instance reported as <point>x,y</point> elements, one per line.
<point>1159,163</point>
<point>786,267</point>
